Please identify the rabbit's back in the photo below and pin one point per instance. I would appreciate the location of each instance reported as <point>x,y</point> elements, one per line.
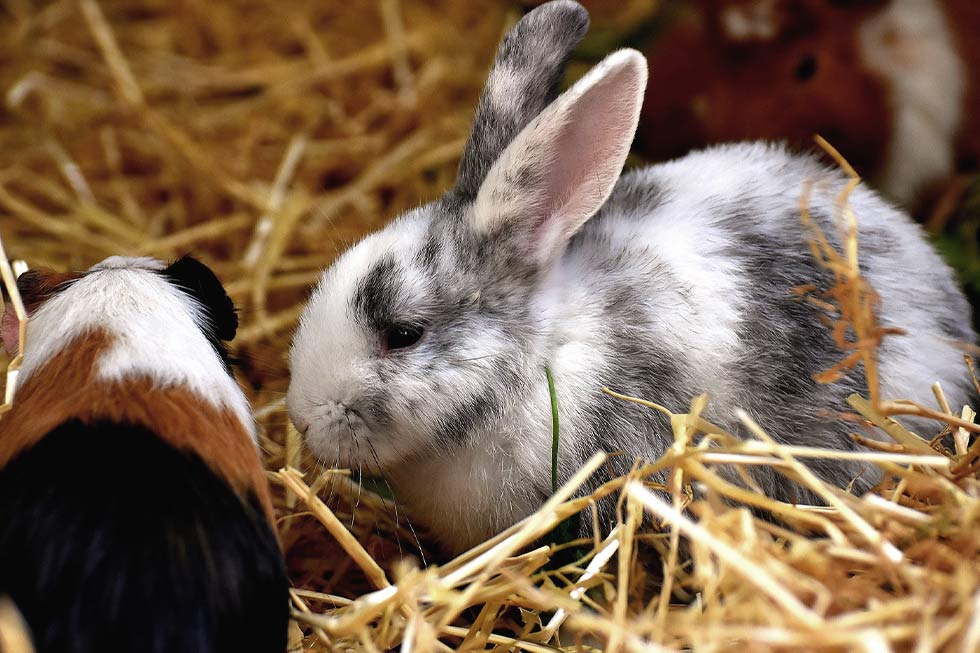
<point>697,264</point>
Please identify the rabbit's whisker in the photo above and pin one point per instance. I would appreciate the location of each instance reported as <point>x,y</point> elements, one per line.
<point>394,505</point>
<point>474,358</point>
<point>360,473</point>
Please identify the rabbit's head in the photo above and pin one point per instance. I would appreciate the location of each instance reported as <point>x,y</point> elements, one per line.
<point>424,334</point>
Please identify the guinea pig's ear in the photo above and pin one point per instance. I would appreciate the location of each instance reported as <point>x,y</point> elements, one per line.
<point>563,166</point>
<point>39,284</point>
<point>524,79</point>
<point>34,287</point>
<point>198,281</point>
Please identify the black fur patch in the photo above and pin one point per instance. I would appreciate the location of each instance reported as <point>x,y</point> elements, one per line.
<point>198,281</point>
<point>375,297</point>
<point>110,540</point>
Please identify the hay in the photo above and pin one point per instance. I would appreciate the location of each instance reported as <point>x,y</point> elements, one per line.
<point>265,137</point>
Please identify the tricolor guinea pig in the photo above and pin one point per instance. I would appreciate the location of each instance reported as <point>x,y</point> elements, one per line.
<point>893,84</point>
<point>134,510</point>
<point>423,350</point>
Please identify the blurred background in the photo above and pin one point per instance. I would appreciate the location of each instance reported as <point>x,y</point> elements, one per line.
<point>267,136</point>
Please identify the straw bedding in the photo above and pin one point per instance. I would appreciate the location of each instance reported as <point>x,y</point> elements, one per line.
<point>265,137</point>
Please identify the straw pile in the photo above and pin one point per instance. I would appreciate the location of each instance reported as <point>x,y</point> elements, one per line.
<point>265,137</point>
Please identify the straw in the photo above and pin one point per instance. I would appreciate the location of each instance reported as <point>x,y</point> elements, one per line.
<point>265,139</point>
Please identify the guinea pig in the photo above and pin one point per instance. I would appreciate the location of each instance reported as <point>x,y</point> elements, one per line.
<point>134,510</point>
<point>423,350</point>
<point>893,84</point>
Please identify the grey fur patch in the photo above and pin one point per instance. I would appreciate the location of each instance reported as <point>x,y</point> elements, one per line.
<point>374,407</point>
<point>428,254</point>
<point>636,362</point>
<point>783,351</point>
<point>525,78</point>
<point>466,417</point>
<point>956,326</point>
<point>635,196</point>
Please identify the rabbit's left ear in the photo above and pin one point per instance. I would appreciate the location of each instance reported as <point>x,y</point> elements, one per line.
<point>561,168</point>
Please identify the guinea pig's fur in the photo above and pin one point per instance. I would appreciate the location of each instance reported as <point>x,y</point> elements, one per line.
<point>893,84</point>
<point>134,510</point>
<point>422,352</point>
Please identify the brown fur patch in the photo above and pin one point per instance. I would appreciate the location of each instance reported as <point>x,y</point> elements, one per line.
<point>66,388</point>
<point>37,285</point>
<point>807,77</point>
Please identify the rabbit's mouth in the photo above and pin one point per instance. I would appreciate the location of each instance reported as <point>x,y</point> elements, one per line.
<point>340,435</point>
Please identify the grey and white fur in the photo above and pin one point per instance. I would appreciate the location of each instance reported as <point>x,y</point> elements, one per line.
<point>664,283</point>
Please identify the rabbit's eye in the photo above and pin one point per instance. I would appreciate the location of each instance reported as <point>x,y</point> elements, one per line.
<point>806,69</point>
<point>400,336</point>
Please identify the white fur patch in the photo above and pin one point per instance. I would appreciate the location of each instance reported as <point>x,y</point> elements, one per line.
<point>757,20</point>
<point>910,45</point>
<point>485,487</point>
<point>326,326</point>
<point>154,327</point>
<point>503,85</point>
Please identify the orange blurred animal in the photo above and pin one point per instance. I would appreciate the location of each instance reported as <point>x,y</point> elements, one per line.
<point>893,84</point>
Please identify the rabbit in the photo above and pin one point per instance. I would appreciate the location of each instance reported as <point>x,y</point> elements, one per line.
<point>892,84</point>
<point>422,352</point>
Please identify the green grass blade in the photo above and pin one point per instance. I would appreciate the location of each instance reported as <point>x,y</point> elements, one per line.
<point>554,429</point>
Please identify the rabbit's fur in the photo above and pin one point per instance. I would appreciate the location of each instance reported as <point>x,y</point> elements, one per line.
<point>668,282</point>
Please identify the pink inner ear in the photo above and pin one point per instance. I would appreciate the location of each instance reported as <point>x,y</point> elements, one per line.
<point>587,154</point>
<point>10,331</point>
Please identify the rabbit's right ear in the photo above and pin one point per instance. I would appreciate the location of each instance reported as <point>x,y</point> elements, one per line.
<point>563,166</point>
<point>524,79</point>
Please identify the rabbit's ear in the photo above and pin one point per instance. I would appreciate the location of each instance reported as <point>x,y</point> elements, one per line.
<point>524,79</point>
<point>562,167</point>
